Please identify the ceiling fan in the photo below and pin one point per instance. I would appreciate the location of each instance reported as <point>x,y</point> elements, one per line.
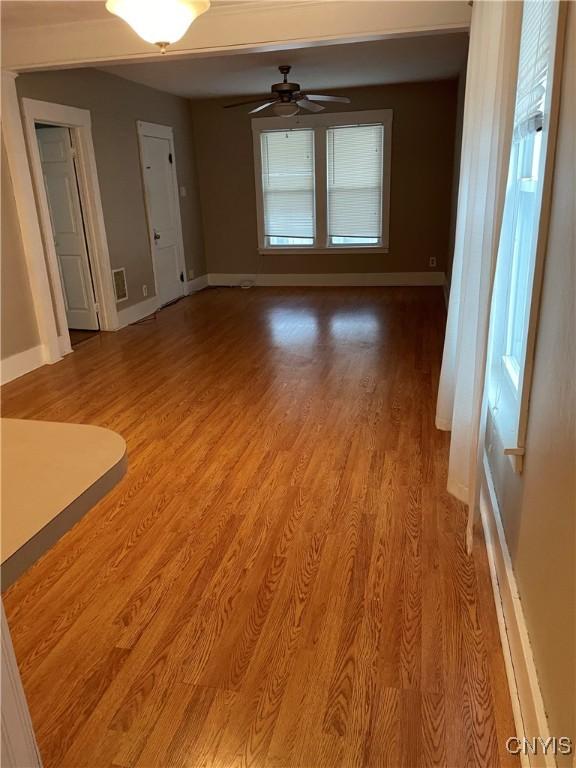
<point>287,99</point>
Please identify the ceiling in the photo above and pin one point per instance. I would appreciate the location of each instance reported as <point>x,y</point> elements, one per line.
<point>323,66</point>
<point>33,13</point>
<point>16,13</point>
<point>381,62</point>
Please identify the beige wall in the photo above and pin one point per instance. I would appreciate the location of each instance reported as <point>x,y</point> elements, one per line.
<point>115,105</point>
<point>19,331</point>
<point>539,507</point>
<point>422,163</point>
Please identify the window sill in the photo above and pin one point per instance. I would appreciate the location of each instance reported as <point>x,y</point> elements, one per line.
<point>503,424</point>
<point>276,251</point>
<point>505,419</point>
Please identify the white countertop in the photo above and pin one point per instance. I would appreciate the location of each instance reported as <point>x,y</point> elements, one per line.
<point>46,466</point>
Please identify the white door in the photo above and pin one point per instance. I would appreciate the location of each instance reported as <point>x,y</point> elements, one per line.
<point>67,227</point>
<point>163,212</point>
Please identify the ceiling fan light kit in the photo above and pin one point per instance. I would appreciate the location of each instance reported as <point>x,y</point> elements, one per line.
<point>161,22</point>
<point>285,109</point>
<point>287,99</point>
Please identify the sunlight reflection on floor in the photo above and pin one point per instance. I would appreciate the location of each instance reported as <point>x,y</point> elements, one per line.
<point>299,326</point>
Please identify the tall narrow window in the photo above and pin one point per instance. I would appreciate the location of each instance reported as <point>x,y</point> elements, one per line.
<point>523,236</point>
<point>288,187</point>
<point>354,184</point>
<point>525,173</point>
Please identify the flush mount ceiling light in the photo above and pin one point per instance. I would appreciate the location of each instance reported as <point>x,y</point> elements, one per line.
<point>161,22</point>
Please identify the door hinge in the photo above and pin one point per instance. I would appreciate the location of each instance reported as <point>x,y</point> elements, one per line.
<point>181,277</point>
<point>97,307</point>
<point>73,153</point>
<point>170,158</point>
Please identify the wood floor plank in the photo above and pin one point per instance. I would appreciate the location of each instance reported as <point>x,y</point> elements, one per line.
<point>280,579</point>
<point>247,739</point>
<point>383,742</point>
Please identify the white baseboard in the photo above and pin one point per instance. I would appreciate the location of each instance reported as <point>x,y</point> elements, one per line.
<point>23,362</point>
<point>137,312</point>
<point>198,284</point>
<point>330,279</point>
<point>527,704</point>
<point>27,361</point>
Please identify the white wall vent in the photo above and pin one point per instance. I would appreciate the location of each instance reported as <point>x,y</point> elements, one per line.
<point>120,287</point>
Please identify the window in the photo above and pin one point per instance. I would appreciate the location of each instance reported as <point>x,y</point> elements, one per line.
<point>323,181</point>
<point>522,237</point>
<point>288,187</point>
<point>355,170</point>
<point>524,175</point>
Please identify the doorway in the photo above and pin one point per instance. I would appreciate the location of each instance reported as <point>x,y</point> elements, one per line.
<point>76,257</point>
<point>57,158</point>
<point>158,161</point>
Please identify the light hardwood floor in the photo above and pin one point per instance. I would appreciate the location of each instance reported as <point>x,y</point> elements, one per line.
<point>280,580</point>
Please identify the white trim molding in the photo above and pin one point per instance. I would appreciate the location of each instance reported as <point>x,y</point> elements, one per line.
<point>19,747</point>
<point>138,312</point>
<point>527,703</point>
<point>13,137</point>
<point>79,121</point>
<point>197,284</point>
<point>351,279</point>
<point>21,363</point>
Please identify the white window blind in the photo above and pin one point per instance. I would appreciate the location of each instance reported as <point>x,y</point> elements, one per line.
<point>538,18</point>
<point>288,186</point>
<point>354,184</point>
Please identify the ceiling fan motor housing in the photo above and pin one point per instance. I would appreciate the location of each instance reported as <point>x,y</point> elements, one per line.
<point>285,90</point>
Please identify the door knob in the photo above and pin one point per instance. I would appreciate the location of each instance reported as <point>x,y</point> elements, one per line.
<point>156,235</point>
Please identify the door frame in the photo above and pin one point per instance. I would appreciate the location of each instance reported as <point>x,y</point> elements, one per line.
<point>80,125</point>
<point>19,746</point>
<point>158,131</point>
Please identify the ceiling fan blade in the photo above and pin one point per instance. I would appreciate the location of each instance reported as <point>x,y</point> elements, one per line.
<point>309,105</point>
<point>262,106</point>
<point>243,103</point>
<point>316,97</point>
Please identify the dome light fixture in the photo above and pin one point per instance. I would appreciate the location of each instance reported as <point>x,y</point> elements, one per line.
<point>285,109</point>
<point>161,22</point>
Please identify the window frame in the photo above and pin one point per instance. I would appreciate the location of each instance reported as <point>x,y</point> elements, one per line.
<point>320,124</point>
<point>509,378</point>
